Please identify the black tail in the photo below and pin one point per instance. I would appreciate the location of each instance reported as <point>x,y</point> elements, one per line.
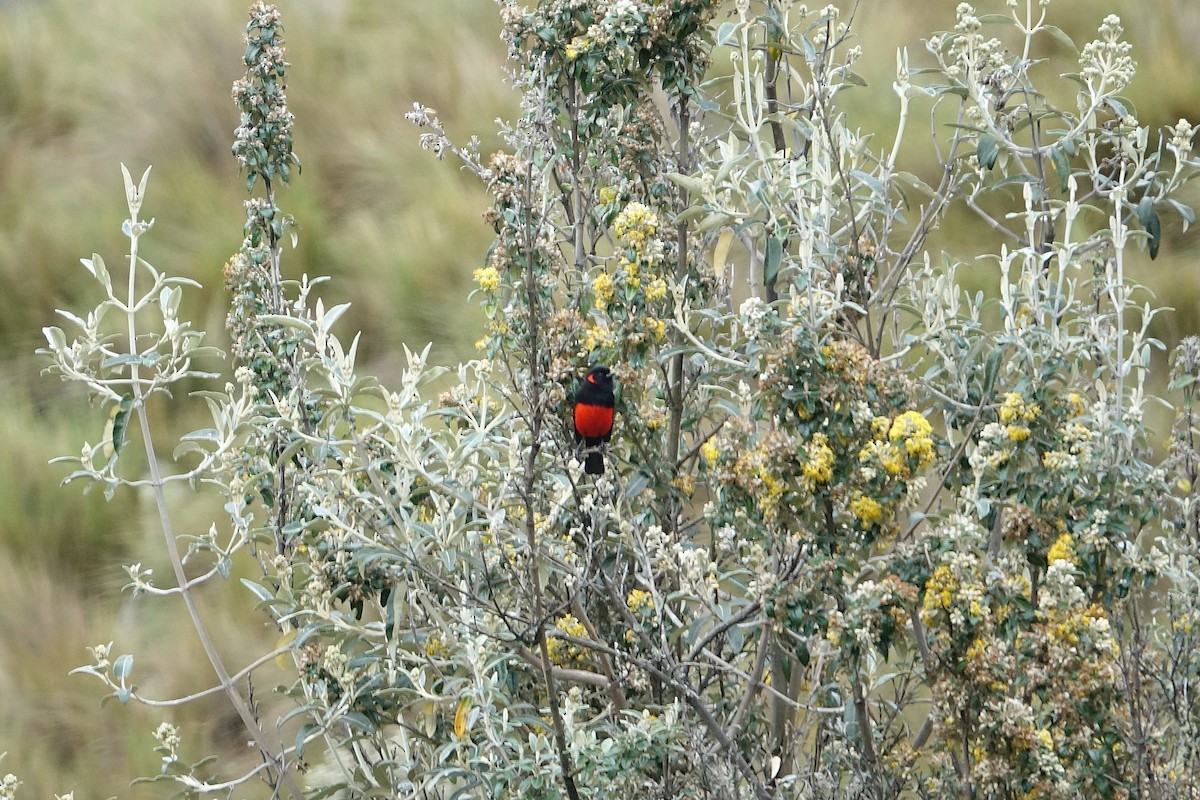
<point>593,462</point>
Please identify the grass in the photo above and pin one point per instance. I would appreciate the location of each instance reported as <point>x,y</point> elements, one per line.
<point>84,86</point>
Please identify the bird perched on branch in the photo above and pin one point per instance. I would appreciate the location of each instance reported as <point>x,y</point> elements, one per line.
<point>594,403</point>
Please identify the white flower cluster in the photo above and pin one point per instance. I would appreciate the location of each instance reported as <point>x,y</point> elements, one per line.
<point>993,448</point>
<point>753,313</point>
<point>1060,588</point>
<point>1105,62</point>
<point>1181,138</point>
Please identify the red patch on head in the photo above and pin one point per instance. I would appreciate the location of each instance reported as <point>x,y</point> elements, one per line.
<point>591,378</point>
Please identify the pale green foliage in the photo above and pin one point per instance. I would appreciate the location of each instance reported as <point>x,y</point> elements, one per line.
<point>860,535</point>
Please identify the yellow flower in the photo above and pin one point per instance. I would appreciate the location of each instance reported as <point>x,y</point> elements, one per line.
<point>603,289</point>
<point>488,279</point>
<point>436,645</point>
<point>773,495</point>
<point>1056,459</point>
<point>1015,408</point>
<point>563,652</point>
<point>596,337</point>
<point>635,225</point>
<point>639,600</point>
<point>1018,433</point>
<point>709,452</point>
<point>577,47</point>
<point>819,465</point>
<point>889,459</point>
<point>607,195</point>
<point>1045,738</point>
<point>908,425</point>
<point>1063,549</point>
<point>867,509</point>
<point>657,328</point>
<point>917,433</point>
<point>1012,407</point>
<point>940,589</point>
<point>656,290</point>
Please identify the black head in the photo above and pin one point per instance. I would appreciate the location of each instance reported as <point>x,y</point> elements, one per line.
<point>600,375</point>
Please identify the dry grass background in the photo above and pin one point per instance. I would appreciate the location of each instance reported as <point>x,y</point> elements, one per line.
<point>85,85</point>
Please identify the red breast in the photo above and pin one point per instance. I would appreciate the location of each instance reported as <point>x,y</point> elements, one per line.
<point>593,422</point>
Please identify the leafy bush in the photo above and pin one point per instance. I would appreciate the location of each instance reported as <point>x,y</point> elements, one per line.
<point>862,534</point>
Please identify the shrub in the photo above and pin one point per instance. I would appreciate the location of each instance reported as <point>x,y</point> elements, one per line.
<point>862,534</point>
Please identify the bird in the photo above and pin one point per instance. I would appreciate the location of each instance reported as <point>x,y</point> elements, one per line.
<point>594,403</point>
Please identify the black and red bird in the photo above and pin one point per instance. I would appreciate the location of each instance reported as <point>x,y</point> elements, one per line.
<point>594,403</point>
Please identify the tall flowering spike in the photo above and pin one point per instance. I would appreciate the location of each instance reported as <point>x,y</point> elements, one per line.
<point>263,146</point>
<point>263,139</point>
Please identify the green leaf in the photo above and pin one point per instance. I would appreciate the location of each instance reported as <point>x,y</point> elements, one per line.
<point>1151,223</point>
<point>95,265</point>
<point>122,667</point>
<point>302,734</point>
<point>261,592</point>
<point>1061,35</point>
<point>853,78</point>
<point>1061,167</point>
<point>715,220</point>
<point>118,422</point>
<point>1189,216</point>
<point>987,151</point>
<point>55,338</point>
<point>1180,382</point>
<point>686,182</point>
<point>726,32</point>
<point>772,260</point>
<point>912,180</point>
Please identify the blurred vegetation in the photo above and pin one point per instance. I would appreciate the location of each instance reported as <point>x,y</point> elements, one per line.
<point>84,86</point>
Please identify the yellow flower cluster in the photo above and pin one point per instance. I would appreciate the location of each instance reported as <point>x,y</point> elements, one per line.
<point>1018,433</point>
<point>710,452</point>
<point>1014,412</point>
<point>939,591</point>
<point>908,436</point>
<point>656,290</point>
<point>603,289</point>
<point>774,493</point>
<point>635,226</point>
<point>867,509</point>
<point>1063,549</point>
<point>436,645</point>
<point>1065,627</point>
<point>1078,404</point>
<point>639,601</point>
<point>917,434</point>
<point>818,465</point>
<point>561,652</point>
<point>595,337</point>
<point>488,279</point>
<point>577,47</point>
